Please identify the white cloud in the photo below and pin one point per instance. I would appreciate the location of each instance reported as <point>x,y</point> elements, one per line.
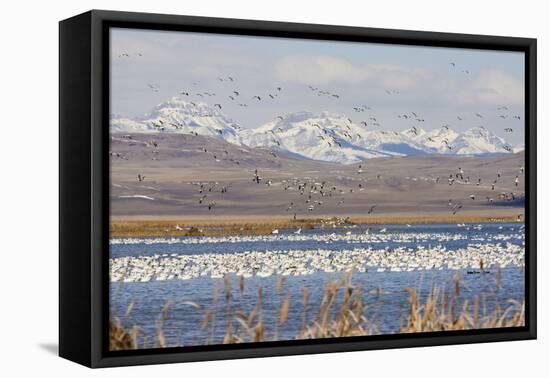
<point>318,69</point>
<point>493,87</point>
<point>324,69</point>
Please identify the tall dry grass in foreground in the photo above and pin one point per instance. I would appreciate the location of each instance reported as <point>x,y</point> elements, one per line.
<point>442,311</point>
<point>341,313</point>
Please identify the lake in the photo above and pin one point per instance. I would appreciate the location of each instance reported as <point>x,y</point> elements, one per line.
<point>386,259</point>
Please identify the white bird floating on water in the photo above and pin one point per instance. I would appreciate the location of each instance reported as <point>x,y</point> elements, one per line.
<point>304,262</point>
<point>367,237</point>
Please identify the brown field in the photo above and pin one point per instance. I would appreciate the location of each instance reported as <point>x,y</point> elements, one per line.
<point>166,226</point>
<point>180,185</point>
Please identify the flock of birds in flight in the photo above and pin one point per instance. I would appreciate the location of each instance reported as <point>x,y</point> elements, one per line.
<point>235,95</point>
<point>311,192</point>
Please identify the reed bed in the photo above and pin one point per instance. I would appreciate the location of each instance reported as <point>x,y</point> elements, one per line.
<point>263,226</point>
<point>442,311</point>
<point>165,228</point>
<point>341,313</point>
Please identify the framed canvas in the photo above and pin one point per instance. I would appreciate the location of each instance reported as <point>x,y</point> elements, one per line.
<point>235,188</point>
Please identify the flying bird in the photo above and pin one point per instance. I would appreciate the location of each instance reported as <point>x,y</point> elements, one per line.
<point>211,205</point>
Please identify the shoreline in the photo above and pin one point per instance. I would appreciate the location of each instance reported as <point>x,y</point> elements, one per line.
<point>142,226</point>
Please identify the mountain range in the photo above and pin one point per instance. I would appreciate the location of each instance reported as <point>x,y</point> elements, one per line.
<point>319,136</point>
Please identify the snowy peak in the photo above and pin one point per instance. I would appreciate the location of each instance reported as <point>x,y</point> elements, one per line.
<point>323,136</point>
<point>518,148</point>
<point>331,137</point>
<point>179,116</point>
<point>335,138</point>
<point>414,133</point>
<point>439,140</point>
<point>478,140</point>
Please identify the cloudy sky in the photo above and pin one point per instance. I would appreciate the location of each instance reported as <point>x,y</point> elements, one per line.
<point>418,79</point>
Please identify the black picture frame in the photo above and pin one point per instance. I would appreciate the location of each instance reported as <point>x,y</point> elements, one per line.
<point>84,189</point>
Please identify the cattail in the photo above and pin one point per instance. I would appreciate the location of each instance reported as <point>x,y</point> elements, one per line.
<point>498,277</point>
<point>260,296</point>
<point>284,310</point>
<point>305,296</point>
<point>251,318</point>
<point>134,334</point>
<point>259,333</point>
<point>452,311</point>
<point>241,284</point>
<point>260,305</point>
<point>161,339</point>
<point>120,338</point>
<point>476,311</point>
<point>357,304</point>
<point>280,283</point>
<point>129,309</point>
<point>216,294</point>
<point>429,309</point>
<point>457,284</point>
<point>207,316</point>
<point>439,311</point>
<point>413,303</point>
<point>227,284</point>
<point>462,320</point>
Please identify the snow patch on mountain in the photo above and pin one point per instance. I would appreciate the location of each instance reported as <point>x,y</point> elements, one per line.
<point>179,116</point>
<point>478,140</point>
<point>335,138</point>
<point>518,148</point>
<point>326,137</point>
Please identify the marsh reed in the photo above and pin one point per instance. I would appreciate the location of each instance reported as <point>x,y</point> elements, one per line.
<point>341,313</point>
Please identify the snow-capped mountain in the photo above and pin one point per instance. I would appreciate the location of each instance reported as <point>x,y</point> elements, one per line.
<point>179,116</point>
<point>335,138</point>
<point>478,140</point>
<point>519,148</point>
<point>324,136</point>
<point>437,140</point>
